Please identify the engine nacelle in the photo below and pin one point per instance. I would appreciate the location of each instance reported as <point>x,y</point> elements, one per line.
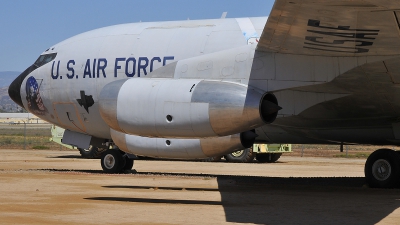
<point>184,108</point>
<point>182,148</point>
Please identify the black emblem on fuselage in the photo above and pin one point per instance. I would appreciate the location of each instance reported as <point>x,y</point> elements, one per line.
<point>339,39</point>
<point>86,101</point>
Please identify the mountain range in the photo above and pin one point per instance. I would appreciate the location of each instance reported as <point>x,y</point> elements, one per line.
<point>6,104</point>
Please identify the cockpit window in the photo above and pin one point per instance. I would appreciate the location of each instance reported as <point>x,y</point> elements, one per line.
<point>43,59</point>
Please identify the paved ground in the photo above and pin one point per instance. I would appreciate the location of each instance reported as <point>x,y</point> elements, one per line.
<point>57,187</point>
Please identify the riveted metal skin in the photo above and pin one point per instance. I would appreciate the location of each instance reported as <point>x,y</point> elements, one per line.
<point>221,146</point>
<point>120,139</point>
<point>176,148</point>
<point>187,108</point>
<point>233,108</point>
<point>108,106</point>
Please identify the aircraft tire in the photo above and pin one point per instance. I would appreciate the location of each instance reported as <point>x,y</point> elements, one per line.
<point>382,169</point>
<point>128,164</point>
<point>268,157</point>
<point>91,153</point>
<point>242,156</point>
<point>212,159</point>
<point>112,161</point>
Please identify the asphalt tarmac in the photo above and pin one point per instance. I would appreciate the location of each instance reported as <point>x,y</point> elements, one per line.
<point>58,187</point>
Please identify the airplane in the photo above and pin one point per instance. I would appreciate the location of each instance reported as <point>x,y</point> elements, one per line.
<point>313,72</point>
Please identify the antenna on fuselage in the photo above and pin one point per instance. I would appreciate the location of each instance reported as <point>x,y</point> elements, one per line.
<point>223,16</point>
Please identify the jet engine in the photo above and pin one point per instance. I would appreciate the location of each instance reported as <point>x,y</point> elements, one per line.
<point>184,108</point>
<point>182,148</point>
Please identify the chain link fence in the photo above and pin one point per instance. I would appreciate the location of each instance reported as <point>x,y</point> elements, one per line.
<point>26,136</point>
<point>37,136</point>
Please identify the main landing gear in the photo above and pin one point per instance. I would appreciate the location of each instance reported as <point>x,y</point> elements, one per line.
<point>382,169</point>
<point>116,161</point>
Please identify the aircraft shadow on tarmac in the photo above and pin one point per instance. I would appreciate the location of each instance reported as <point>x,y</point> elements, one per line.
<point>306,201</point>
<point>153,159</point>
<point>66,157</point>
<point>160,201</point>
<point>275,200</point>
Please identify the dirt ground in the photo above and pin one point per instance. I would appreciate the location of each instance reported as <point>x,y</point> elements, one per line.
<point>58,187</point>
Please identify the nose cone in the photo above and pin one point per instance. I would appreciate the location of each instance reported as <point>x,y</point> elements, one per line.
<point>14,91</point>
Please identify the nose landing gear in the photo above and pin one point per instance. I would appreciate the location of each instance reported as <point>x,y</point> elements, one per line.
<point>116,161</point>
<point>382,169</point>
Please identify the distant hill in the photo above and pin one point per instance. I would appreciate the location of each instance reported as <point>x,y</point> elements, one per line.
<point>6,77</point>
<point>6,104</point>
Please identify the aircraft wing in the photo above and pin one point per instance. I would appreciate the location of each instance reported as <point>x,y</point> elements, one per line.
<point>333,28</point>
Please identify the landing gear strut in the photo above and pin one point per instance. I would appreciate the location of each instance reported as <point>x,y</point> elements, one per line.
<point>91,153</point>
<point>115,161</point>
<point>382,169</point>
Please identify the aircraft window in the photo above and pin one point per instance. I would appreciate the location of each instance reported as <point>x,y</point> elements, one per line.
<point>43,59</point>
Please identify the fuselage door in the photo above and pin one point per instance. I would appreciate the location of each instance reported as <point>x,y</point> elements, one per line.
<point>67,114</point>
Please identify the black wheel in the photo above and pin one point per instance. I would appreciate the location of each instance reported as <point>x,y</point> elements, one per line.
<point>212,159</point>
<point>112,161</point>
<point>268,157</point>
<point>128,164</point>
<point>242,156</point>
<point>382,169</point>
<point>91,153</point>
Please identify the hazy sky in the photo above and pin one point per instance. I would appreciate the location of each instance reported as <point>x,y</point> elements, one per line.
<point>28,27</point>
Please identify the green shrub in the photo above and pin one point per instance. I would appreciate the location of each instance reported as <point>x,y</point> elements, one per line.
<point>41,147</point>
<point>7,141</point>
